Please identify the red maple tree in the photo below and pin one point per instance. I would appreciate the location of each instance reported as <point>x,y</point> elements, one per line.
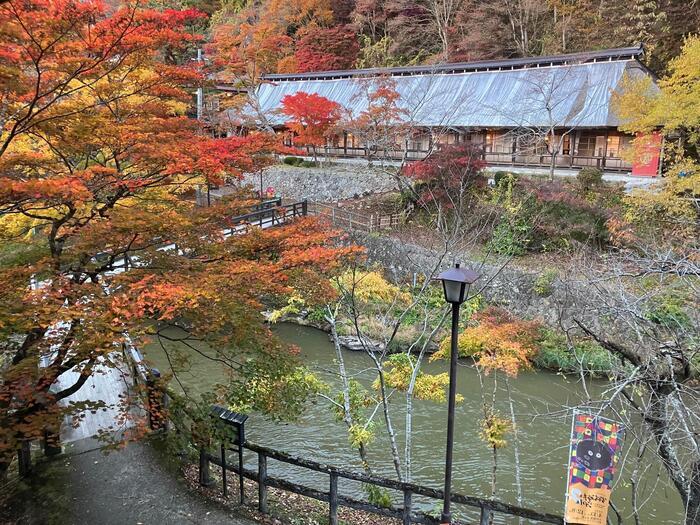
<point>325,49</point>
<point>95,158</point>
<point>312,118</point>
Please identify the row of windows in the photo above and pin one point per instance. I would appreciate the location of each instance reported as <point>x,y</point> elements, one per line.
<point>587,144</point>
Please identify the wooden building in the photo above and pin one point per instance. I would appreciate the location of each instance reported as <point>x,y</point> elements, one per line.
<point>552,111</point>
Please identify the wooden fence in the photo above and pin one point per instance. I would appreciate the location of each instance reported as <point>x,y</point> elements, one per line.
<point>352,220</point>
<point>406,513</point>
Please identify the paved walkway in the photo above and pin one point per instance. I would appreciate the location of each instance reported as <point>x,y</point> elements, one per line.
<point>109,384</point>
<point>136,485</point>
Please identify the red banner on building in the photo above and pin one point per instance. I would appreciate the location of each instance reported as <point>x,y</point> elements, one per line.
<point>596,443</point>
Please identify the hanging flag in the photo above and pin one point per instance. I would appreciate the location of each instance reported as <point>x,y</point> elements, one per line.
<point>596,443</point>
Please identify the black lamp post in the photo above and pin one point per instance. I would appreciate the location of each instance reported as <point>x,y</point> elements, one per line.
<point>455,283</point>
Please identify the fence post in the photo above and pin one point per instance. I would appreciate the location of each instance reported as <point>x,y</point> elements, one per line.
<point>223,468</point>
<point>262,489</point>
<point>485,515</point>
<point>155,408</point>
<point>304,207</point>
<point>24,458</point>
<point>333,500</point>
<point>407,507</point>
<point>204,474</point>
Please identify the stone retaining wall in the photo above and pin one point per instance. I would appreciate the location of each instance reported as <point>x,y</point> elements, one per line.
<point>326,184</point>
<point>513,288</point>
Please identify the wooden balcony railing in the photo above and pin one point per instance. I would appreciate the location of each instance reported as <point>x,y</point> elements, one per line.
<point>491,158</point>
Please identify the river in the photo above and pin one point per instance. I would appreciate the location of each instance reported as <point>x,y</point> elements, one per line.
<point>543,426</point>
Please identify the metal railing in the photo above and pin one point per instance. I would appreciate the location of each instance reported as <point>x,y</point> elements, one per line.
<point>273,214</point>
<point>407,512</point>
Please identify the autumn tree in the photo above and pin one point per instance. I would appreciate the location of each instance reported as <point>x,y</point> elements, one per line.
<point>501,345</point>
<point>446,180</point>
<point>312,118</point>
<point>381,126</point>
<point>326,49</point>
<point>95,159</point>
<point>675,110</point>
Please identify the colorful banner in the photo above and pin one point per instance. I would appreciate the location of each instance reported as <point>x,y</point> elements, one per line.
<point>596,443</point>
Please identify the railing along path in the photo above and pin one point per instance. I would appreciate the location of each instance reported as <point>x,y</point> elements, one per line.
<point>406,513</point>
<point>352,220</point>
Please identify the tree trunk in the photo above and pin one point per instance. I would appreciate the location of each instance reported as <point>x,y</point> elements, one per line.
<point>516,447</point>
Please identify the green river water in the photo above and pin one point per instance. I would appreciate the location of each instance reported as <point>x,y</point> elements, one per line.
<point>544,430</point>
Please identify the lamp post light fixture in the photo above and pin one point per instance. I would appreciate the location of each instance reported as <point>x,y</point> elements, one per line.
<point>455,283</point>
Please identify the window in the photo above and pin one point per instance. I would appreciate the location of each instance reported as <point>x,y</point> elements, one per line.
<point>532,145</point>
<point>586,146</point>
<point>617,144</point>
<point>566,145</point>
<point>497,142</point>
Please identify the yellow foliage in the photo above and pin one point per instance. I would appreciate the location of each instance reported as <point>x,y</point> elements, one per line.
<point>359,435</point>
<point>499,342</point>
<point>494,429</point>
<point>371,287</point>
<point>430,387</point>
<point>294,305</point>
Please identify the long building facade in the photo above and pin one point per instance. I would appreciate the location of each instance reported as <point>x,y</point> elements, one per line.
<point>541,112</point>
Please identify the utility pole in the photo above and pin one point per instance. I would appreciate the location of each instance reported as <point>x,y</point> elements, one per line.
<point>200,90</point>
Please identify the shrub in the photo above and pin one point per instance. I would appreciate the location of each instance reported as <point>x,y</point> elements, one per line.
<point>589,178</point>
<point>378,496</point>
<point>502,175</point>
<point>511,237</point>
<point>543,283</point>
<point>292,161</point>
<point>668,310</point>
<point>564,219</point>
<point>512,234</point>
<point>554,353</point>
<point>308,164</point>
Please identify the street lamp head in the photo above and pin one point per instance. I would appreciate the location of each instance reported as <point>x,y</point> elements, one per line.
<point>456,282</point>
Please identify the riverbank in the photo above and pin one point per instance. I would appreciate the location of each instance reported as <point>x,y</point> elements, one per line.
<point>554,354</point>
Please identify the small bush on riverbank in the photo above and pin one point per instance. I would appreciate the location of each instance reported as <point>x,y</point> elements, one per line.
<point>555,353</point>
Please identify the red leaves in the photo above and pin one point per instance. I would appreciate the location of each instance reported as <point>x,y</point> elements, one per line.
<point>324,49</point>
<point>446,173</point>
<point>312,117</point>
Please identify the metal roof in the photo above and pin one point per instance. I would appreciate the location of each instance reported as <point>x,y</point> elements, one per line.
<point>566,95</point>
<point>621,53</point>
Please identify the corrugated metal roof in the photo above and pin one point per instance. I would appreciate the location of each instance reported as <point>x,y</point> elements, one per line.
<point>566,95</point>
<point>621,53</point>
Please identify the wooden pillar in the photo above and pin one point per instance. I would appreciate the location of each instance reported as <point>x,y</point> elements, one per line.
<point>333,500</point>
<point>52,442</point>
<point>223,469</point>
<point>605,147</point>
<point>262,488</point>
<point>157,401</point>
